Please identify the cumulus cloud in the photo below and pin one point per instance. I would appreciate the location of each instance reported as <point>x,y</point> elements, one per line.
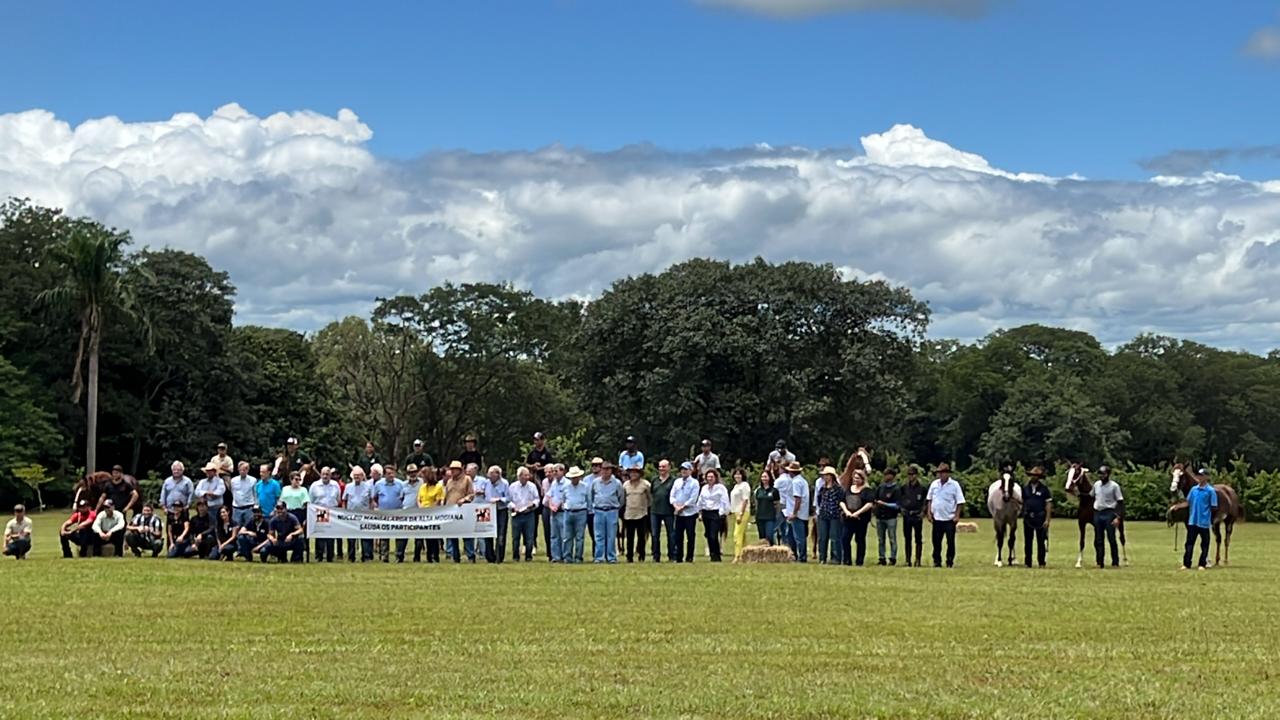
<point>1263,44</point>
<point>312,226</point>
<point>810,8</point>
<point>1194,161</point>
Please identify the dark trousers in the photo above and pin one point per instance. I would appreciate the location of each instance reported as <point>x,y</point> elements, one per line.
<point>418,545</point>
<point>637,533</point>
<point>546,529</point>
<point>1102,527</point>
<point>658,523</point>
<point>524,529</point>
<point>686,527</point>
<point>140,543</point>
<point>116,540</point>
<point>18,547</point>
<point>830,539</point>
<point>244,546</point>
<point>82,539</point>
<point>366,549</point>
<point>1194,532</point>
<point>433,550</point>
<point>278,550</point>
<point>913,528</point>
<point>767,529</point>
<point>854,541</point>
<point>496,549</point>
<point>1035,527</point>
<point>325,549</point>
<point>944,530</point>
<point>712,521</point>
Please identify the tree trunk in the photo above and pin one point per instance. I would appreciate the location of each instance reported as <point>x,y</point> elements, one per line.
<point>91,441</point>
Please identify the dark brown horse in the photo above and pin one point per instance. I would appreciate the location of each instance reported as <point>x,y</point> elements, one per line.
<point>1229,510</point>
<point>1079,484</point>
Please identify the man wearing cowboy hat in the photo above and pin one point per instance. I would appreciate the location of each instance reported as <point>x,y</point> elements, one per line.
<point>1037,511</point>
<point>912,504</point>
<point>211,488</point>
<point>458,490</point>
<point>800,508</point>
<point>577,498</point>
<point>943,505</point>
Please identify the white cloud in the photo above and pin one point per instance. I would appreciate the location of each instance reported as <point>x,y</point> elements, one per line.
<point>312,226</point>
<point>1264,43</point>
<point>809,8</point>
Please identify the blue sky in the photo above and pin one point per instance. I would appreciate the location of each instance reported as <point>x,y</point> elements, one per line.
<point>1043,86</point>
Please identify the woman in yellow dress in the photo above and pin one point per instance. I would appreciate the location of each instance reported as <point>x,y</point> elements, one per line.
<point>740,506</point>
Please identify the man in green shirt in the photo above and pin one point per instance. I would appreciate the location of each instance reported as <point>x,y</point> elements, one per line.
<point>661,513</point>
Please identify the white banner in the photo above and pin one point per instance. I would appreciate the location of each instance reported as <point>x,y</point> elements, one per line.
<point>471,520</point>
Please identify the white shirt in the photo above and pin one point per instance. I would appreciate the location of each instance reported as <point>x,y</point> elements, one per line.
<point>945,499</point>
<point>708,461</point>
<point>799,491</point>
<point>783,485</point>
<point>522,496</point>
<point>782,457</point>
<point>740,498</point>
<point>714,498</point>
<point>242,494</point>
<point>104,524</point>
<point>325,494</point>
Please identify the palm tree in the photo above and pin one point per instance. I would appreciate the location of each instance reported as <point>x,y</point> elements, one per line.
<point>92,261</point>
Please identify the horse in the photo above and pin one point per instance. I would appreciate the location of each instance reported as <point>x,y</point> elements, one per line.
<point>1004,501</point>
<point>1079,484</point>
<point>1229,510</point>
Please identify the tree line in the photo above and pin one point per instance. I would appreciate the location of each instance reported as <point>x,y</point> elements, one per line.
<point>743,354</point>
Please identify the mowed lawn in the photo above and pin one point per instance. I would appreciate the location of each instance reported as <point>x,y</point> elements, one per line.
<point>184,639</point>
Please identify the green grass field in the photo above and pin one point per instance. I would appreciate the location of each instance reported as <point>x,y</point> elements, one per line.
<point>700,641</point>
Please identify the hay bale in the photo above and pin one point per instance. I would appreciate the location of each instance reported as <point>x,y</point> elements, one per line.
<point>763,553</point>
<point>967,527</point>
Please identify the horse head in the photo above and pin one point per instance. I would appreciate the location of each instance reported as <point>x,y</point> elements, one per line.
<point>1180,480</point>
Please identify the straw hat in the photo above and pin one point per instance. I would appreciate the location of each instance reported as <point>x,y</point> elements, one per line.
<point>574,472</point>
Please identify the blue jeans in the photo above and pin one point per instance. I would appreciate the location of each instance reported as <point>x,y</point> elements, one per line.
<point>887,527</point>
<point>278,550</point>
<point>784,532</point>
<point>656,524</point>
<point>800,539</point>
<point>524,527</point>
<point>555,526</point>
<point>605,539</point>
<point>575,524</point>
<point>767,528</point>
<point>468,546</point>
<point>830,531</point>
<point>244,546</point>
<point>242,516</point>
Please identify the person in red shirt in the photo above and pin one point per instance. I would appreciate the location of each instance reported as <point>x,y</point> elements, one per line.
<point>78,529</point>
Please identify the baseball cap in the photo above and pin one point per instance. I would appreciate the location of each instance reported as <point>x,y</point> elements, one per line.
<point>291,441</point>
<point>417,442</point>
<point>686,465</point>
<point>537,436</point>
<point>631,438</point>
<point>780,444</point>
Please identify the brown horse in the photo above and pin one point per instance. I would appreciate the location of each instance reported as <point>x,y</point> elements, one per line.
<point>1079,484</point>
<point>1229,510</point>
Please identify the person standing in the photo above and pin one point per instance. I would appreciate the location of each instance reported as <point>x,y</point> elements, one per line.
<point>662,514</point>
<point>713,502</point>
<point>17,534</point>
<point>523,500</point>
<point>943,505</point>
<point>830,521</point>
<point>412,486</point>
<point>888,505</point>
<point>325,493</point>
<point>419,457</point>
<point>706,461</point>
<point>267,490</point>
<point>211,489</point>
<point>457,491</point>
<point>295,498</point>
<point>553,511</point>
<point>785,504</point>
<point>740,508</point>
<point>470,454</point>
<point>766,510</point>
<point>496,494</point>
<point>539,458</point>
<point>684,500</point>
<point>122,490</point>
<point>1037,512</point>
<point>389,495</point>
<point>177,488</point>
<point>577,498</point>
<point>108,529</point>
<point>1202,502</point>
<point>243,498</point>
<point>638,494</point>
<point>607,498</point>
<point>367,459</point>
<point>799,519</point>
<point>145,532</point>
<point>1108,504</point>
<point>430,495</point>
<point>358,496</point>
<point>781,456</point>
<point>912,505</point>
<point>858,503</point>
<point>78,530</point>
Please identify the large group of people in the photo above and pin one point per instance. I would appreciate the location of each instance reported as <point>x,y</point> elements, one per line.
<point>627,509</point>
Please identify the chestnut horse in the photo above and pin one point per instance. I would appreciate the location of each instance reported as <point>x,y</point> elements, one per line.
<point>1229,510</point>
<point>1079,484</point>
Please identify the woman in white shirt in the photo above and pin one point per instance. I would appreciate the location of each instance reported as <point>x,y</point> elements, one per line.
<point>740,506</point>
<point>713,502</point>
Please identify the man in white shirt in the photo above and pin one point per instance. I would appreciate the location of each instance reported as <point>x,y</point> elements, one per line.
<point>522,499</point>
<point>17,534</point>
<point>243,498</point>
<point>943,505</point>
<point>211,489</point>
<point>783,484</point>
<point>325,493</point>
<point>356,497</point>
<point>799,512</point>
<point>684,499</point>
<point>781,457</point>
<point>108,528</point>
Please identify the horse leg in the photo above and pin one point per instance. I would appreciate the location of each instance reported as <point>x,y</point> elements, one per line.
<point>1013,540</point>
<point>1226,551</point>
<point>1124,549</point>
<point>1080,554</point>
<point>1217,544</point>
<point>999,542</point>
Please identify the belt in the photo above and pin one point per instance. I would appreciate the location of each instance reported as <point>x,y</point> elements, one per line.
<point>242,507</point>
<point>578,510</point>
<point>600,509</point>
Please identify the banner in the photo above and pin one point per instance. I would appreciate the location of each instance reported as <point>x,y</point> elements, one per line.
<point>472,520</point>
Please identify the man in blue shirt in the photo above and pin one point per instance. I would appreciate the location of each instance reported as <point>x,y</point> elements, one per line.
<point>267,490</point>
<point>607,499</point>
<point>284,535</point>
<point>1202,501</point>
<point>577,497</point>
<point>799,512</point>
<point>495,494</point>
<point>631,457</point>
<point>389,494</point>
